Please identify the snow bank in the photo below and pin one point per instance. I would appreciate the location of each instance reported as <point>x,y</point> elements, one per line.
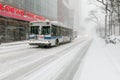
<point>102,62</point>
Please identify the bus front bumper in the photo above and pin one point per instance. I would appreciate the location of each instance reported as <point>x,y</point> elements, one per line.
<point>40,43</point>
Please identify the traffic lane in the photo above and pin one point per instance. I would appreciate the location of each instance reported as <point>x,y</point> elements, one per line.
<point>56,68</point>
<point>17,65</point>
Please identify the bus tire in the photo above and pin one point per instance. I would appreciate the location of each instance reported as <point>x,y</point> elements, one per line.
<point>49,46</point>
<point>56,42</point>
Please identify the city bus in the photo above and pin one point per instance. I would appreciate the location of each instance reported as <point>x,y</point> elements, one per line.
<point>49,33</point>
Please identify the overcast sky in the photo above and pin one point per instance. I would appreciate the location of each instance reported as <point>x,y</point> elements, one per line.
<point>82,9</point>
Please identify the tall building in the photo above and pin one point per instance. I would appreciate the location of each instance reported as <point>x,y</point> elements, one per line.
<point>16,14</point>
<point>49,9</point>
<point>65,13</point>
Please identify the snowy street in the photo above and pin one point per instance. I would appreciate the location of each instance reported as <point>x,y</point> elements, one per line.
<point>59,39</point>
<point>85,58</point>
<point>25,62</point>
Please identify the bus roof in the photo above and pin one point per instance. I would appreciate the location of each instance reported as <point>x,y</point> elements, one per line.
<point>52,22</point>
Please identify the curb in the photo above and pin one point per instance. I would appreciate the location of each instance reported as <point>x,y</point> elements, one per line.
<point>12,44</point>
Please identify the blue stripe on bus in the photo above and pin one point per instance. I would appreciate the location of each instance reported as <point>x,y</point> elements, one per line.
<point>47,37</point>
<point>53,37</point>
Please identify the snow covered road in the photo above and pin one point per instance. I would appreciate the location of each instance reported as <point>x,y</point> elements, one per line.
<point>24,62</point>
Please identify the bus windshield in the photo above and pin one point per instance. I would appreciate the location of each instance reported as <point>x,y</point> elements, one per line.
<point>34,30</point>
<point>45,30</point>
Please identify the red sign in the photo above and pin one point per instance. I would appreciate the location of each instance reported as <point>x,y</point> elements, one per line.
<point>9,11</point>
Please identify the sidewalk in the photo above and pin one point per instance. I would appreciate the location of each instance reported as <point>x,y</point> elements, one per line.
<point>102,62</point>
<point>14,43</point>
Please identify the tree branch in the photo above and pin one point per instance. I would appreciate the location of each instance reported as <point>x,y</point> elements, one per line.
<point>101,2</point>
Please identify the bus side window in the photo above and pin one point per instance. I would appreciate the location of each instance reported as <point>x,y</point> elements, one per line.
<point>54,30</point>
<point>58,31</point>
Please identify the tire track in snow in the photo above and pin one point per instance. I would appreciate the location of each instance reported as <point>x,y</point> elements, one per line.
<point>28,68</point>
<point>19,55</point>
<point>71,69</point>
<point>7,50</point>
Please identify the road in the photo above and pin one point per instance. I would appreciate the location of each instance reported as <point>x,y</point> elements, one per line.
<point>25,62</point>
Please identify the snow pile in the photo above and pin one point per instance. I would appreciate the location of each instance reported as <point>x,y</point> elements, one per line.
<point>102,62</point>
<point>113,51</point>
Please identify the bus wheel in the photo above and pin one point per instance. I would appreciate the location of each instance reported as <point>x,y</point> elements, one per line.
<point>57,42</point>
<point>49,46</point>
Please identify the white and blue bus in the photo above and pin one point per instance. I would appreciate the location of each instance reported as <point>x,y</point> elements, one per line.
<point>49,33</point>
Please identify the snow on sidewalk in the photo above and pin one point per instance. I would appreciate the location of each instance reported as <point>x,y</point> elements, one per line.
<point>14,43</point>
<point>102,62</point>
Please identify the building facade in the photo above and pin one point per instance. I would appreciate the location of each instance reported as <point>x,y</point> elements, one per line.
<point>15,16</point>
<point>39,7</point>
<point>65,13</point>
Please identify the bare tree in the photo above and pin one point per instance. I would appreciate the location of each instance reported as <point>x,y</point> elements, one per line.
<point>94,18</point>
<point>112,15</point>
<point>105,3</point>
